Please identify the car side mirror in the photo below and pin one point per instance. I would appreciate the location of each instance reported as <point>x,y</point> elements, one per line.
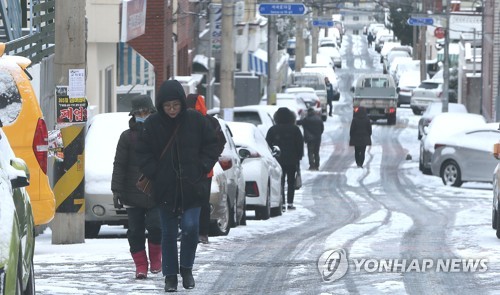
<point>19,181</point>
<point>397,90</point>
<point>20,164</point>
<point>352,89</point>
<point>243,153</point>
<point>276,152</point>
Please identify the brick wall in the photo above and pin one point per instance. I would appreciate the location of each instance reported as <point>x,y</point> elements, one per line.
<point>156,44</point>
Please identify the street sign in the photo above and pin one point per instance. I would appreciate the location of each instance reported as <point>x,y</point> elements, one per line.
<point>282,9</point>
<point>323,23</point>
<point>439,32</point>
<point>420,21</point>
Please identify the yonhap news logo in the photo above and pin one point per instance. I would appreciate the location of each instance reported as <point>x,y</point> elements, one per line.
<point>333,265</point>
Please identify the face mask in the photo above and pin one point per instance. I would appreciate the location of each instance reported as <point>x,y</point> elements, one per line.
<point>140,119</point>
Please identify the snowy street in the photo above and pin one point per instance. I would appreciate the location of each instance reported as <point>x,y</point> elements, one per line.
<point>387,210</point>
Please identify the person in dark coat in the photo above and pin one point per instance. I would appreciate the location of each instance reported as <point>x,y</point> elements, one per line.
<point>360,134</point>
<point>287,136</point>
<point>370,38</point>
<point>141,210</point>
<point>197,102</point>
<point>329,95</point>
<point>177,177</point>
<point>313,129</point>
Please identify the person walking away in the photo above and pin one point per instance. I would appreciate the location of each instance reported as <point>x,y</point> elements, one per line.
<point>288,137</point>
<point>141,210</point>
<point>370,39</point>
<point>197,102</point>
<point>329,95</point>
<point>360,134</point>
<point>178,177</point>
<point>313,129</point>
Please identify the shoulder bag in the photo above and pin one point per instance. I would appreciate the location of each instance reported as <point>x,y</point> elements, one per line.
<point>144,184</point>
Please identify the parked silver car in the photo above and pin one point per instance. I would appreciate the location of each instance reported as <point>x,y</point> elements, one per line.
<point>227,194</point>
<point>466,156</point>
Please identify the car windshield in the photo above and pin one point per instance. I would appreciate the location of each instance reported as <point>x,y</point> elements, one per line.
<point>248,117</point>
<point>428,85</point>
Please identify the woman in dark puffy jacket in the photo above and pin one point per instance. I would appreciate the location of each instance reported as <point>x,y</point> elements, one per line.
<point>287,136</point>
<point>141,210</point>
<point>360,133</point>
<point>177,177</point>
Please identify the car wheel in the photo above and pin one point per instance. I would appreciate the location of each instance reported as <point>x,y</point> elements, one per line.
<point>92,230</point>
<point>416,111</point>
<point>419,135</point>
<point>243,220</point>
<point>391,120</point>
<point>494,218</point>
<point>30,287</point>
<point>277,211</point>
<point>221,226</point>
<point>324,117</point>
<point>264,212</point>
<point>450,174</point>
<point>498,226</point>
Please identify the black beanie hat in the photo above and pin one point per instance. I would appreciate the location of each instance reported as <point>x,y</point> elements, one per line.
<point>142,102</point>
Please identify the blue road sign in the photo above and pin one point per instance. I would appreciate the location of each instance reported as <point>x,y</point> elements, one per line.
<point>282,9</point>
<point>322,23</point>
<point>420,21</point>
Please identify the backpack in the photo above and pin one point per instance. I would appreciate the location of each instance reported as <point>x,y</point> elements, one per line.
<point>221,139</point>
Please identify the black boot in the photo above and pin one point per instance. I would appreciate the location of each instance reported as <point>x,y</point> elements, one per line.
<point>171,283</point>
<point>187,278</point>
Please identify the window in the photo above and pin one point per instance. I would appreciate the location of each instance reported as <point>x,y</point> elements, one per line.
<point>10,99</point>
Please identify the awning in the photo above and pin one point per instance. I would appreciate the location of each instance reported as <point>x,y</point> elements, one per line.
<point>133,68</point>
<point>258,62</point>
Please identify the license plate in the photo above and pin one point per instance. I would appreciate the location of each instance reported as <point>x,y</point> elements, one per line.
<point>374,112</point>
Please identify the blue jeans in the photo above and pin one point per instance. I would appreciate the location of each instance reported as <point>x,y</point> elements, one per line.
<point>189,239</point>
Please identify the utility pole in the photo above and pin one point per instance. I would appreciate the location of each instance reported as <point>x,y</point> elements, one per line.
<point>227,61</point>
<point>315,32</point>
<point>423,47</point>
<point>272,47</point>
<point>300,49</point>
<point>446,66</point>
<point>68,226</point>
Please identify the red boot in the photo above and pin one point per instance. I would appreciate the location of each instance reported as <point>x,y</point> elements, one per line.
<point>155,257</point>
<point>141,264</point>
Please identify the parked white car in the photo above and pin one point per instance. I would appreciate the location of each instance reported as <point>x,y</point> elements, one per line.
<point>427,92</point>
<point>254,114</point>
<point>227,194</point>
<point>261,171</point>
<point>333,53</point>
<point>308,97</point>
<point>102,136</point>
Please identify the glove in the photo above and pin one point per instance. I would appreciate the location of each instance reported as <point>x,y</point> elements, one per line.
<point>116,201</point>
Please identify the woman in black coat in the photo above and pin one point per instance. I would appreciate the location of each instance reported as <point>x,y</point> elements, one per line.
<point>177,177</point>
<point>287,136</point>
<point>142,211</point>
<point>360,133</point>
